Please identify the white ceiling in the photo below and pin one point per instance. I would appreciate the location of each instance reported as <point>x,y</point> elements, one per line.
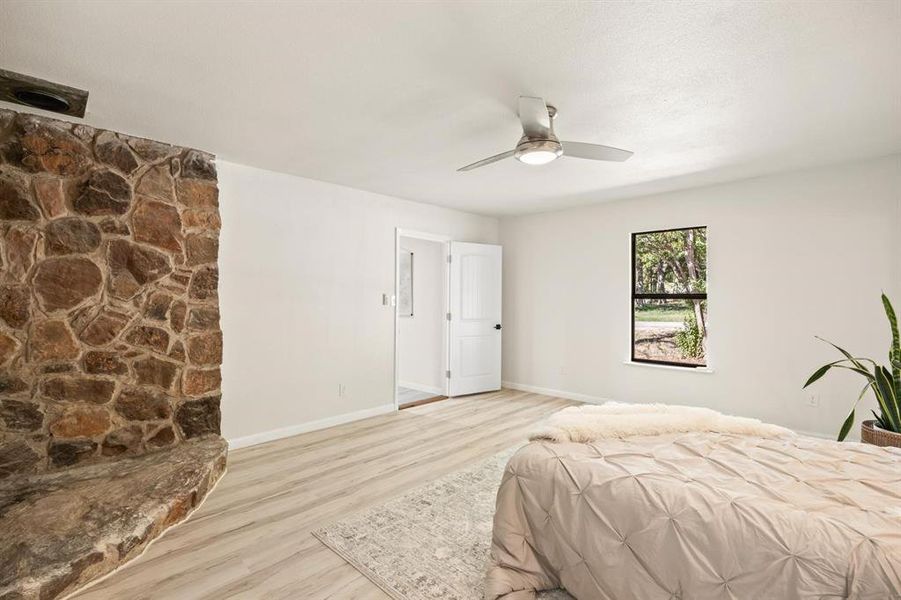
<point>393,97</point>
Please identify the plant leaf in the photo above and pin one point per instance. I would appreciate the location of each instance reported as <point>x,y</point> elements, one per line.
<point>842,350</point>
<point>818,373</point>
<point>885,395</point>
<point>892,400</point>
<point>838,364</point>
<point>849,420</point>
<point>862,371</point>
<point>894,354</point>
<point>846,426</point>
<point>855,361</point>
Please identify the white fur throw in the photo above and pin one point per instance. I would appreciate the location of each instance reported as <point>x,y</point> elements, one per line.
<point>588,423</point>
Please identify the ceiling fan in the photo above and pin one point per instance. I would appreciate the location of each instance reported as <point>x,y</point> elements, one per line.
<point>539,145</point>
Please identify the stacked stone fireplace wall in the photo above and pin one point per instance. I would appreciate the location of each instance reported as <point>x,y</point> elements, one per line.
<point>110,343</point>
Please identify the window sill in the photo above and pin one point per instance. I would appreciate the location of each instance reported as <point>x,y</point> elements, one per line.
<point>702,370</point>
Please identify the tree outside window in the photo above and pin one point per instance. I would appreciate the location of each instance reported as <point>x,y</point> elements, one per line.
<point>669,297</point>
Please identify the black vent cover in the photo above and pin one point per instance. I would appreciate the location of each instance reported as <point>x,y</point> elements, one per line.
<point>45,95</point>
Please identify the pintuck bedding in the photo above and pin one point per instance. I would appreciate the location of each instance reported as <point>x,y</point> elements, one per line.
<point>698,514</point>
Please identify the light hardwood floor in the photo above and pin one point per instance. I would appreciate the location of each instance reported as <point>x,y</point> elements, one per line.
<point>251,538</point>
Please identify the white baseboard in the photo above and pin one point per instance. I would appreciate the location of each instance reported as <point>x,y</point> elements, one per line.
<point>419,387</point>
<point>556,393</point>
<point>599,400</point>
<point>283,432</point>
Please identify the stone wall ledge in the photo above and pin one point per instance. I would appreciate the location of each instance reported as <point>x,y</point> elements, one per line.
<point>64,529</point>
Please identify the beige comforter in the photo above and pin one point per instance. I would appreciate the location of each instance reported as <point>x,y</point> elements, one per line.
<point>699,515</point>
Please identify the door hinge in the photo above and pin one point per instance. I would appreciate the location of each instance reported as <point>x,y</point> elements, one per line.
<point>449,258</point>
<point>448,316</point>
<point>447,374</point>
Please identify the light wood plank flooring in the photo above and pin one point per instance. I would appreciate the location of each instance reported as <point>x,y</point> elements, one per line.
<point>251,538</point>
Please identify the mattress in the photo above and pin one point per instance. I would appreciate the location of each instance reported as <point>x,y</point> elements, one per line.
<point>699,515</point>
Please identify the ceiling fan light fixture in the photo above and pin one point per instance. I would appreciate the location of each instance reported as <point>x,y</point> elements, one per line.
<point>537,157</point>
<point>538,152</point>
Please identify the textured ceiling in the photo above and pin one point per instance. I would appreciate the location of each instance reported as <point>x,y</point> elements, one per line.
<point>393,97</point>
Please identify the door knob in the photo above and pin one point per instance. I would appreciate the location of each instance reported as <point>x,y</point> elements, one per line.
<point>498,326</point>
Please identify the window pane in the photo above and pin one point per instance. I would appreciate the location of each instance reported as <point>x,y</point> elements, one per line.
<point>673,331</point>
<point>671,262</point>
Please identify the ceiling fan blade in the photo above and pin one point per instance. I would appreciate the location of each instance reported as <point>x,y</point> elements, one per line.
<point>595,151</point>
<point>487,161</point>
<point>536,122</point>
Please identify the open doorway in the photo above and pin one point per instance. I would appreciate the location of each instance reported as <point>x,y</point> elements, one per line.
<point>421,318</point>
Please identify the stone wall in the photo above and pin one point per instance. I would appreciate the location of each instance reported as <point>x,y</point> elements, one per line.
<point>109,321</point>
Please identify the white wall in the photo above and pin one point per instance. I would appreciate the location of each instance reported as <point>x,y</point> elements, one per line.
<point>790,257</point>
<point>420,338</point>
<point>303,267</point>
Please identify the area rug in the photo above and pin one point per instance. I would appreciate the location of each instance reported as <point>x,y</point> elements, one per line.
<point>431,543</point>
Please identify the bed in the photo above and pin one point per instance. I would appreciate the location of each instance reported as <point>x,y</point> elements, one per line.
<point>696,513</point>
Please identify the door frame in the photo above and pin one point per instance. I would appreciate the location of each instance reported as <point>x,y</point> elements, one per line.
<point>445,241</point>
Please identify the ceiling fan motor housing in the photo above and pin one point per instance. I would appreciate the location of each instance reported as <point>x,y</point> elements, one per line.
<point>546,145</point>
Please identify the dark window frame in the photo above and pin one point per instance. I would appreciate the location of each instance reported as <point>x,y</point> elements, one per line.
<point>634,297</point>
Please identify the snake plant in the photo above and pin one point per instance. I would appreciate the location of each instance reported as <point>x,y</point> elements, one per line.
<point>884,381</point>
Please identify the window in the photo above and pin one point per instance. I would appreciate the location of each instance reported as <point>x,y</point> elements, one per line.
<point>669,297</point>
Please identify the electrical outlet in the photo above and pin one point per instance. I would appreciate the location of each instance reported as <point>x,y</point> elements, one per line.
<point>341,390</point>
<point>813,401</point>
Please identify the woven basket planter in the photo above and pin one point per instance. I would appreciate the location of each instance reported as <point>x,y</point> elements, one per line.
<point>871,434</point>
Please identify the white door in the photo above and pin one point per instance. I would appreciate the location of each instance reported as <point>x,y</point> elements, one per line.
<point>475,318</point>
